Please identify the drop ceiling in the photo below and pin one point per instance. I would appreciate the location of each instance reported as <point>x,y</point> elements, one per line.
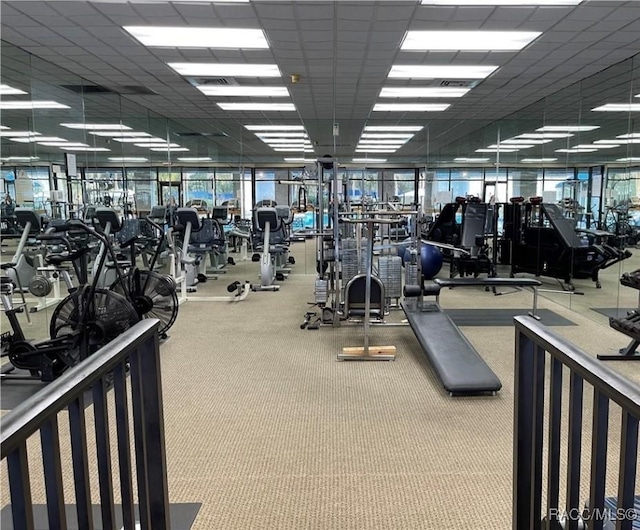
<point>342,51</point>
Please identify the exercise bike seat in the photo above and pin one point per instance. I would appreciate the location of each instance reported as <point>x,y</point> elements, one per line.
<point>58,259</point>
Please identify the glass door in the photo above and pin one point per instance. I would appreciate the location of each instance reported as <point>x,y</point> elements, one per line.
<point>168,191</point>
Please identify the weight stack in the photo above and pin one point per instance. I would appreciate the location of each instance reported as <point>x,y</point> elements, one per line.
<point>411,269</point>
<point>322,292</point>
<point>390,272</point>
<point>349,258</point>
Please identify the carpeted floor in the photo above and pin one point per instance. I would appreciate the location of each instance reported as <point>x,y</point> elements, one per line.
<point>268,430</point>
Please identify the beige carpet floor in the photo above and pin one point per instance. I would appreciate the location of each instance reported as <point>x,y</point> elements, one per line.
<point>267,429</point>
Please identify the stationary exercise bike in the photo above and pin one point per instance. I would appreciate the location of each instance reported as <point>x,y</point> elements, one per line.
<point>87,319</point>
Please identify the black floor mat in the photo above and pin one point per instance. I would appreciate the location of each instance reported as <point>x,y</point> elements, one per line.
<point>502,317</point>
<point>181,515</point>
<point>615,312</point>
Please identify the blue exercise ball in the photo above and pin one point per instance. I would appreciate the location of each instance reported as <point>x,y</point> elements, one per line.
<point>431,261</point>
<point>402,250</point>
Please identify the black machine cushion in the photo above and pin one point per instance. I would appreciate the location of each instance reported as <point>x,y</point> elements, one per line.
<point>455,360</point>
<point>108,215</point>
<point>28,215</point>
<point>189,215</point>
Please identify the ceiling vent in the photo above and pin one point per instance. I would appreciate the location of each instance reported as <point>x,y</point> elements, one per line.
<point>87,90</point>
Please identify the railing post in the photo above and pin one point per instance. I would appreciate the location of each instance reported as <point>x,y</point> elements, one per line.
<point>50,441</point>
<point>21,506</point>
<point>600,431</point>
<point>523,432</point>
<point>628,470</point>
<point>555,424</point>
<point>574,451</point>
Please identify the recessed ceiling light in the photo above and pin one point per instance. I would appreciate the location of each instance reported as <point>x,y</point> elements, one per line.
<point>64,143</point>
<point>468,40</point>
<point>387,135</point>
<point>4,127</point>
<point>289,145</point>
<point>226,69</point>
<point>598,146</point>
<point>128,159</point>
<point>465,159</point>
<point>6,90</point>
<point>246,91</point>
<point>80,148</point>
<point>18,134</point>
<point>517,141</point>
<point>281,134</point>
<point>275,127</point>
<point>38,139</point>
<point>410,71</point>
<point>519,146</point>
<point>568,128</point>
<point>545,135</point>
<point>410,107</point>
<point>116,135</point>
<point>375,150</point>
<point>476,3</point>
<point>156,144</point>
<point>619,141</point>
<point>298,159</point>
<point>369,160</point>
<point>258,107</point>
<point>535,160</point>
<point>289,149</point>
<point>422,92</point>
<point>628,159</point>
<point>20,158</point>
<point>136,139</point>
<point>40,104</point>
<point>169,149</point>
<point>630,135</point>
<point>496,150</point>
<point>97,126</point>
<point>366,141</point>
<point>393,128</point>
<point>195,159</point>
<point>187,37</point>
<point>576,150</point>
<point>375,146</point>
<point>618,107</point>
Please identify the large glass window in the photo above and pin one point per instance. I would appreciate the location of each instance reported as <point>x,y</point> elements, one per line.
<point>143,185</point>
<point>199,188</point>
<point>399,185</point>
<point>33,189</point>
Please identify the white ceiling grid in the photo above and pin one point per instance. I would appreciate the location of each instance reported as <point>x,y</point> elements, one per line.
<point>342,50</point>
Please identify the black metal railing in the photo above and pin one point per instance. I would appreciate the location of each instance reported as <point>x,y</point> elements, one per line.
<point>529,486</point>
<point>134,353</point>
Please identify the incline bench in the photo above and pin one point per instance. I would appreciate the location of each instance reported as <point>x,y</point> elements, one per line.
<point>456,362</point>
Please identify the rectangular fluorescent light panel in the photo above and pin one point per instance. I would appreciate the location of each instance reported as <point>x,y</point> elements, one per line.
<point>298,159</point>
<point>519,146</point>
<point>476,3</point>
<point>136,139</point>
<point>289,149</point>
<point>598,146</point>
<point>38,139</point>
<point>628,159</point>
<point>576,150</point>
<point>246,91</point>
<point>156,144</point>
<point>568,128</point>
<point>619,141</point>
<point>618,107</point>
<point>274,127</point>
<point>536,160</point>
<point>226,69</point>
<point>63,144</point>
<point>410,107</point>
<point>18,134</point>
<point>631,135</point>
<point>545,135</point>
<point>20,158</point>
<point>464,159</point>
<point>97,126</point>
<point>468,40</point>
<point>128,159</point>
<point>364,141</point>
<point>400,136</point>
<point>516,141</point>
<point>35,104</point>
<point>6,90</point>
<point>409,71</point>
<point>170,149</point>
<point>125,134</point>
<point>423,92</point>
<point>369,160</point>
<point>393,128</point>
<point>196,159</point>
<point>496,150</point>
<point>258,107</point>
<point>80,148</point>
<point>187,37</point>
<point>281,134</point>
<point>4,127</point>
<point>368,150</point>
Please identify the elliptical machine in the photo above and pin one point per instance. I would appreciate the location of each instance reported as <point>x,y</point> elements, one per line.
<point>24,265</point>
<point>266,220</point>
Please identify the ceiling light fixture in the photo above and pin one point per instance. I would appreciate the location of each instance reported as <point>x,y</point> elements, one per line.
<point>136,139</point>
<point>38,139</point>
<point>18,134</point>
<point>195,159</point>
<point>124,134</point>
<point>20,158</point>
<point>619,141</point>
<point>628,159</point>
<point>545,135</point>
<point>410,107</point>
<point>410,71</point>
<point>517,141</point>
<point>537,160</point>
<point>393,128</point>
<point>371,150</point>
<point>35,104</point>
<point>592,146</point>
<point>404,137</point>
<point>576,150</point>
<point>226,69</point>
<point>97,126</point>
<point>568,128</point>
<point>467,40</point>
<point>6,90</point>
<point>156,144</point>
<point>298,159</point>
<point>630,135</point>
<point>246,91</point>
<point>65,143</point>
<point>496,150</point>
<point>258,107</point>
<point>274,127</point>
<point>81,148</point>
<point>422,92</point>
<point>476,3</point>
<point>465,159</point>
<point>187,37</point>
<point>289,149</point>
<point>169,149</point>
<point>281,135</point>
<point>128,159</point>
<point>369,160</point>
<point>618,107</point>
<point>519,146</point>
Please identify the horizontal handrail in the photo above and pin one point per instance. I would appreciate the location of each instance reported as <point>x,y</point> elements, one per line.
<point>29,416</point>
<point>610,383</point>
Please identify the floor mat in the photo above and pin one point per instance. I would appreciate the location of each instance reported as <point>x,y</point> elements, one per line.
<point>502,317</point>
<point>615,312</point>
